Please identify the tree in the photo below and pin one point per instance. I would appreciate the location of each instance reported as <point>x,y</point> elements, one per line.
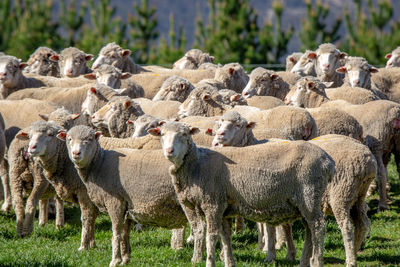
<point>313,30</point>
<point>71,19</point>
<point>143,34</point>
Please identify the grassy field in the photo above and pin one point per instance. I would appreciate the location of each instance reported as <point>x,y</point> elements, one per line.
<point>49,247</point>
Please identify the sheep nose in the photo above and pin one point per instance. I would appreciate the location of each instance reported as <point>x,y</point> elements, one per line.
<point>33,147</point>
<point>169,150</point>
<point>287,101</point>
<point>245,93</point>
<point>356,82</point>
<point>220,133</point>
<point>326,65</point>
<point>76,153</point>
<point>69,71</point>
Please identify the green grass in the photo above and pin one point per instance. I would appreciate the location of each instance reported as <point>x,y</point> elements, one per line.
<point>50,247</point>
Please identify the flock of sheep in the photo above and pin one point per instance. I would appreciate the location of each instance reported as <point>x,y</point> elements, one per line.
<point>134,142</point>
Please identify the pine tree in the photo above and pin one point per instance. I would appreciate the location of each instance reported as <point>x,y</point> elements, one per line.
<point>143,34</point>
<point>71,19</point>
<point>313,30</point>
<point>7,23</point>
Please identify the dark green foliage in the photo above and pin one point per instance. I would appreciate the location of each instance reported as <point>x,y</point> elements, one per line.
<point>72,20</point>
<point>314,30</point>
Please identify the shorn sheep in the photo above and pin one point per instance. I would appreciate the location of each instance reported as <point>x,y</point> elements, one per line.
<point>44,61</point>
<point>393,58</point>
<point>73,62</point>
<point>226,182</point>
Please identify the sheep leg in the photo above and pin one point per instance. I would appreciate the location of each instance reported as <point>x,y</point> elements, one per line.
<point>125,245</point>
<point>59,213</point>
<point>361,223</point>
<point>261,233</point>
<point>18,201</point>
<point>6,186</point>
<point>43,211</point>
<point>271,255</point>
<point>307,249</point>
<point>88,217</point>
<point>214,221</point>
<point>317,227</point>
<point>291,248</point>
<point>382,179</point>
<point>116,211</point>
<point>197,227</point>
<point>239,224</point>
<point>342,217</point>
<point>226,234</point>
<point>178,238</point>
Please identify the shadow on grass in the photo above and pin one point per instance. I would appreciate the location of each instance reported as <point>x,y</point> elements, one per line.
<point>382,258</point>
<point>36,264</point>
<point>333,260</point>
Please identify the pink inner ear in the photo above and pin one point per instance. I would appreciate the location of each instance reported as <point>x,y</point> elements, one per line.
<point>291,59</point>
<point>93,90</point>
<point>231,70</point>
<point>312,55</point>
<point>396,123</point>
<point>130,122</point>
<point>388,56</point>
<point>55,57</point>
<point>209,131</point>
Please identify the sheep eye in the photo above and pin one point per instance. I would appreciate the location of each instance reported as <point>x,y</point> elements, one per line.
<point>50,134</point>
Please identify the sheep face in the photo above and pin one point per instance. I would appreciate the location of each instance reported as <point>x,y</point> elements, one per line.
<point>328,58</point>
<point>292,59</point>
<point>42,137</point>
<point>174,88</point>
<point>231,129</point>
<point>112,54</point>
<point>262,82</point>
<point>73,62</point>
<point>393,58</point>
<point>175,140</point>
<point>82,145</point>
<point>143,124</point>
<point>305,66</point>
<point>303,92</point>
<point>43,61</point>
<point>108,75</point>
<point>358,72</point>
<point>10,70</point>
<point>195,104</point>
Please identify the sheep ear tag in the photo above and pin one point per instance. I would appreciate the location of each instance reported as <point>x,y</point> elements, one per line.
<point>209,131</point>
<point>388,56</point>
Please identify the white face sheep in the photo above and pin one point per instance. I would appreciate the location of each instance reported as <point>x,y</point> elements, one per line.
<point>308,92</point>
<point>305,66</point>
<point>393,58</point>
<point>357,72</point>
<point>73,62</point>
<point>193,59</point>
<point>232,76</point>
<point>328,60</point>
<point>144,123</point>
<point>11,71</point>
<point>224,182</point>
<point>265,82</point>
<point>174,88</point>
<point>292,59</point>
<point>108,75</point>
<point>44,61</point>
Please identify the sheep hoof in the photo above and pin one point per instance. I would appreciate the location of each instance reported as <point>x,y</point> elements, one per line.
<point>59,226</point>
<point>125,260</point>
<point>82,248</point>
<point>139,227</point>
<point>270,258</point>
<point>190,240</point>
<point>279,245</point>
<point>6,207</point>
<point>115,262</point>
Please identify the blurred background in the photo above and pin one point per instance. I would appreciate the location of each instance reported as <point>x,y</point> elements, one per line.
<point>259,32</point>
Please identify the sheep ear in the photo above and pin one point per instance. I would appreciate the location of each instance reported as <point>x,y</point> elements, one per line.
<point>328,84</point>
<point>22,65</point>
<point>396,123</point>
<point>274,77</point>
<point>127,104</point>
<point>251,125</point>
<point>341,70</point>
<point>211,58</point>
<point>22,136</point>
<point>44,117</point>
<point>231,70</point>
<point>209,131</point>
<point>194,130</point>
<point>130,122</point>
<point>75,116</point>
<point>342,55</point>
<point>373,70</point>
<point>312,55</point>
<point>235,97</point>
<point>89,57</point>
<point>206,97</point>
<point>93,90</point>
<point>90,76</point>
<point>54,58</point>
<point>154,131</point>
<point>62,134</point>
<point>162,123</point>
<point>125,75</point>
<point>291,59</point>
<point>97,135</point>
<point>310,85</point>
<point>388,56</point>
<point>125,53</point>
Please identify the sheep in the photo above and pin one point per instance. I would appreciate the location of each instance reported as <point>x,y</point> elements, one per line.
<point>192,60</point>
<point>161,109</point>
<point>387,80</point>
<point>265,82</point>
<point>292,59</point>
<point>306,65</point>
<point>357,73</point>
<point>141,191</point>
<point>115,55</point>
<point>147,142</point>
<point>174,88</point>
<point>144,123</point>
<point>73,62</point>
<point>209,65</point>
<point>232,76</point>
<point>329,58</point>
<point>264,102</point>
<point>52,156</point>
<point>26,176</point>
<point>393,58</point>
<point>288,77</point>
<point>222,189</point>
<point>310,92</point>
<point>44,61</point>
<point>112,118</point>
<point>230,97</point>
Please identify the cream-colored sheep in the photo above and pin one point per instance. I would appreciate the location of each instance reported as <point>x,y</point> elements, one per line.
<point>44,61</point>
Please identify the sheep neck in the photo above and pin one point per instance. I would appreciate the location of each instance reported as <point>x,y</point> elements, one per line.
<point>91,169</point>
<point>55,164</point>
<point>180,174</point>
